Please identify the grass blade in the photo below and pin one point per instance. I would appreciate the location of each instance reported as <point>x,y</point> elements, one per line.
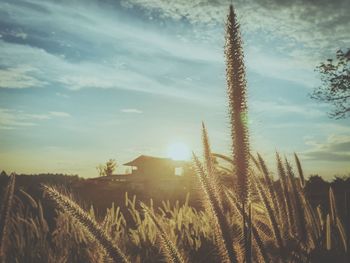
<point>224,241</point>
<point>170,250</point>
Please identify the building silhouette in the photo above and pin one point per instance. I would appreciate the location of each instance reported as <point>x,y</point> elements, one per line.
<point>151,169</point>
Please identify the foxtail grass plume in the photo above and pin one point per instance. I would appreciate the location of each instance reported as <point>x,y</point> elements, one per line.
<point>300,170</point>
<point>286,199</point>
<point>87,222</point>
<point>208,157</point>
<point>170,250</point>
<point>209,163</point>
<point>236,91</point>
<point>270,186</point>
<point>255,232</point>
<point>298,209</point>
<point>223,233</point>
<point>267,202</point>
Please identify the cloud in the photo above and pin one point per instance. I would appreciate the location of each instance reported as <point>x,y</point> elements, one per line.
<point>131,111</point>
<point>59,114</point>
<point>336,148</point>
<point>123,55</point>
<point>9,119</point>
<point>19,34</point>
<point>19,77</point>
<point>282,67</point>
<point>148,59</point>
<point>283,107</point>
<point>59,94</point>
<point>318,25</point>
<point>13,119</point>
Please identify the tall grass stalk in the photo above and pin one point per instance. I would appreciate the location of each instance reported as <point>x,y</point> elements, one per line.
<point>170,250</point>
<point>255,232</point>
<point>87,222</point>
<point>276,228</point>
<point>236,91</point>
<point>223,233</point>
<point>299,216</point>
<point>285,196</point>
<point>210,168</point>
<point>270,187</point>
<point>332,206</point>
<point>300,170</point>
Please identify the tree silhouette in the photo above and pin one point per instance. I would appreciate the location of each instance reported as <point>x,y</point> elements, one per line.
<point>335,88</point>
<point>108,168</point>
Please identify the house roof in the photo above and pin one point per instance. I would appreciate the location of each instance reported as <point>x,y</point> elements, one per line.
<point>147,159</point>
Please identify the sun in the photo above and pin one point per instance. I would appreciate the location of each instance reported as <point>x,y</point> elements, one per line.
<point>178,151</point>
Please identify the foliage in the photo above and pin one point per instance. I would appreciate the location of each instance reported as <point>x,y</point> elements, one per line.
<point>335,76</point>
<point>108,168</point>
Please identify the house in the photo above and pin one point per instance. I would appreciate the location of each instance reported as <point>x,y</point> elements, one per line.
<point>149,168</point>
<point>154,167</point>
<point>149,177</point>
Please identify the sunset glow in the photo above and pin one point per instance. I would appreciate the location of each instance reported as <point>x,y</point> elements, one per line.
<point>178,151</point>
<point>132,76</point>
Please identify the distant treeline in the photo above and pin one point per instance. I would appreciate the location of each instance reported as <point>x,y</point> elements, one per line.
<point>317,188</point>
<point>32,183</point>
<point>101,195</point>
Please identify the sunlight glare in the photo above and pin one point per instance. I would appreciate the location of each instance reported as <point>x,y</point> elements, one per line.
<point>179,151</point>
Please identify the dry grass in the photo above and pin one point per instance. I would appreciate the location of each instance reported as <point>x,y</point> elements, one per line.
<point>184,233</point>
<point>5,215</point>
<point>85,220</point>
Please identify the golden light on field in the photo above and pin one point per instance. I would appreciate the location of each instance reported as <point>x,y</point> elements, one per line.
<point>178,151</point>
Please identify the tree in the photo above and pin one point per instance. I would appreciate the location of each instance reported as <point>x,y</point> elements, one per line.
<point>335,89</point>
<point>108,168</point>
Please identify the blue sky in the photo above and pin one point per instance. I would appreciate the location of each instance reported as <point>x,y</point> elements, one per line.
<point>85,81</point>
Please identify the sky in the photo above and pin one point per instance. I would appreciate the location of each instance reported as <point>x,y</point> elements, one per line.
<point>83,81</point>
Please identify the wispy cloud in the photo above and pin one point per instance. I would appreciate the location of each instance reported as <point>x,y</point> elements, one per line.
<point>319,25</point>
<point>336,148</point>
<point>63,95</point>
<point>131,111</point>
<point>121,56</point>
<point>19,77</point>
<point>282,107</point>
<point>12,119</point>
<point>59,114</point>
<point>285,67</point>
<point>9,119</point>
